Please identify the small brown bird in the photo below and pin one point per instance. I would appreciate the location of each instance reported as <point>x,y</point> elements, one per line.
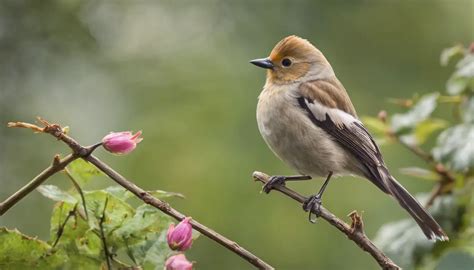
<point>306,117</point>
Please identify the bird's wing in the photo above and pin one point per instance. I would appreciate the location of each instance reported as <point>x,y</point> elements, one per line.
<point>341,123</point>
<point>329,93</point>
<point>347,131</point>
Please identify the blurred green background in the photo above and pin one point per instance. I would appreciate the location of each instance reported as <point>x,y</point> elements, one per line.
<point>179,71</point>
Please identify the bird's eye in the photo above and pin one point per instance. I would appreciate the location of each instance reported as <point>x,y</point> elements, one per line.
<point>286,62</point>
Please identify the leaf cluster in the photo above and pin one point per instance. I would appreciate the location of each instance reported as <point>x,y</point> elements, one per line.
<point>85,223</point>
<point>446,143</point>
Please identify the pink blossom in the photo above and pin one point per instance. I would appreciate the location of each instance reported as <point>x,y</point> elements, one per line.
<point>180,237</point>
<point>178,262</point>
<point>121,142</point>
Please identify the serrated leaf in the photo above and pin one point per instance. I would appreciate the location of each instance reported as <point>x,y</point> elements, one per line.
<point>420,173</point>
<point>156,255</point>
<point>455,147</point>
<point>418,113</point>
<point>448,53</point>
<point>82,171</point>
<point>142,234</point>
<point>146,219</point>
<point>56,194</point>
<point>18,251</point>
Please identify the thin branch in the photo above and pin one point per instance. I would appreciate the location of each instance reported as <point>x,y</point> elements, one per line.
<point>57,165</point>
<point>102,236</point>
<point>79,190</point>
<point>86,154</point>
<point>354,232</point>
<point>62,225</point>
<point>167,209</point>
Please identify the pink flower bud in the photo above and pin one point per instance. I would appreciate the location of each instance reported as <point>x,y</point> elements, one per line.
<point>121,142</point>
<point>178,262</point>
<point>180,237</point>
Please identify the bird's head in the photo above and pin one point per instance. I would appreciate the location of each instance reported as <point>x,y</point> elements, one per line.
<point>292,59</point>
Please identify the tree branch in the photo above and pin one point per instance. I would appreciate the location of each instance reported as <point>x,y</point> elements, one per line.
<point>354,232</point>
<point>80,151</point>
<point>102,236</point>
<point>57,165</point>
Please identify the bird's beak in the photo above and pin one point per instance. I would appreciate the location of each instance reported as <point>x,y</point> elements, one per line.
<point>263,63</point>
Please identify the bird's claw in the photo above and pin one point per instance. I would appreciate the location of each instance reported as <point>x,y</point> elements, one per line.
<point>274,181</point>
<point>313,205</point>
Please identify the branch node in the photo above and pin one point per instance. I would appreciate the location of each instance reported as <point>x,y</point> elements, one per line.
<point>357,225</point>
<point>354,232</point>
<point>56,160</point>
<point>35,128</point>
<point>80,151</point>
<point>42,121</point>
<point>259,176</point>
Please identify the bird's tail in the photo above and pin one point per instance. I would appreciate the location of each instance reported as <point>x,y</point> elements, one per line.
<point>426,222</point>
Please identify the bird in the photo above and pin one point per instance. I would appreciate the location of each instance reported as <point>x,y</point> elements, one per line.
<point>307,119</point>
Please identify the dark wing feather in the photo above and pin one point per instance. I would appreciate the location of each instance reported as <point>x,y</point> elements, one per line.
<point>354,138</point>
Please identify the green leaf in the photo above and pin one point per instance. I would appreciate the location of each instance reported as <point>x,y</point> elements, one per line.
<point>448,53</point>
<point>154,256</point>
<point>142,236</point>
<point>73,229</point>
<point>89,244</point>
<point>404,242</point>
<point>418,113</point>
<point>119,192</point>
<point>421,132</point>
<point>401,240</point>
<point>79,261</point>
<point>76,236</point>
<point>18,251</point>
<point>456,259</point>
<point>420,173</point>
<point>424,129</point>
<point>146,219</point>
<point>117,211</point>
<point>82,171</point>
<point>455,147</point>
<point>152,251</point>
<point>56,194</point>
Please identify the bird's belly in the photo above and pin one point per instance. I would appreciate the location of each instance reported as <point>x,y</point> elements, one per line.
<point>298,142</point>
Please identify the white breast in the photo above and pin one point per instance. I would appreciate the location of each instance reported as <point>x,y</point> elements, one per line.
<point>293,137</point>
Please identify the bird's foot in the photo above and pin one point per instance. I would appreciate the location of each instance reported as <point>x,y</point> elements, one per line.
<point>276,180</point>
<point>313,206</point>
